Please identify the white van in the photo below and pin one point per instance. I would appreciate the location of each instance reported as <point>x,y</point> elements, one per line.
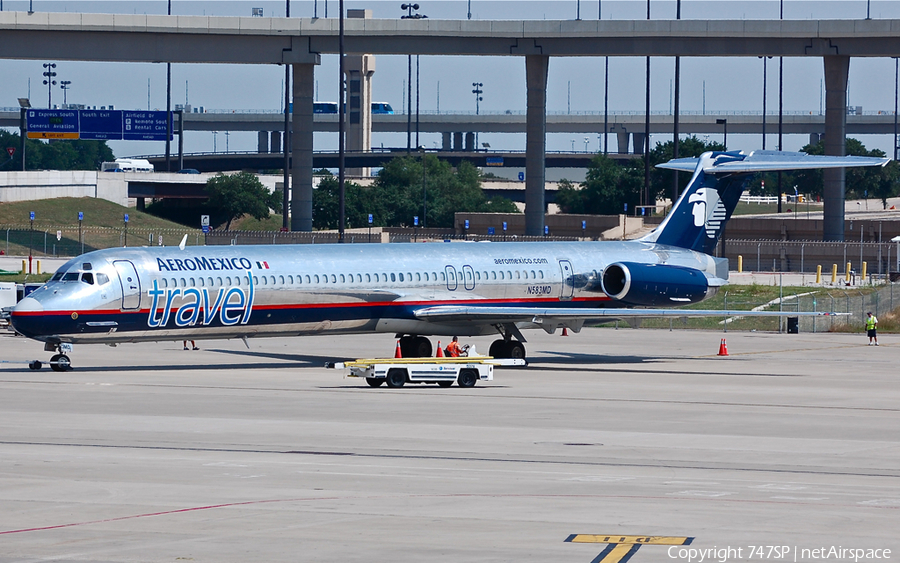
<point>127,165</point>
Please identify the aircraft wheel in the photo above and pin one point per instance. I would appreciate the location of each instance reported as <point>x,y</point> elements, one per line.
<point>60,362</point>
<point>516,350</point>
<point>396,377</point>
<point>467,378</point>
<point>374,381</point>
<point>35,365</point>
<point>445,383</point>
<point>421,347</point>
<point>498,349</point>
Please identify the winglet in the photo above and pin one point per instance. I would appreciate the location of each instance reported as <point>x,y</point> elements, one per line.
<point>183,242</point>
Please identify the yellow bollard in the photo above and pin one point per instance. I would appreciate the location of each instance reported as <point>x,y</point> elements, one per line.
<point>740,263</point>
<point>38,266</point>
<point>862,280</point>
<point>833,273</point>
<point>24,270</point>
<point>819,273</point>
<point>847,273</point>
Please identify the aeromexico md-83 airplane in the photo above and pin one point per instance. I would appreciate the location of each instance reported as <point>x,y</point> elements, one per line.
<point>411,290</point>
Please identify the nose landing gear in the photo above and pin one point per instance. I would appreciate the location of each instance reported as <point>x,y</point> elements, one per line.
<point>59,361</point>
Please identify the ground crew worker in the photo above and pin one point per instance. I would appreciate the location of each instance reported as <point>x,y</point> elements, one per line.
<point>871,328</point>
<point>453,348</point>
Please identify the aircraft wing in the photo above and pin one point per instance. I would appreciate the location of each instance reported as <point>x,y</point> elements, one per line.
<point>537,315</point>
<point>771,161</point>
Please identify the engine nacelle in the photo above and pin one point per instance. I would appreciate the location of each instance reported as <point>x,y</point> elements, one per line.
<point>655,284</point>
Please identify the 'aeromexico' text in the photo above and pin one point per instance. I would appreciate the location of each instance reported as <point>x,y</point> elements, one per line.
<point>203,263</point>
<point>230,306</point>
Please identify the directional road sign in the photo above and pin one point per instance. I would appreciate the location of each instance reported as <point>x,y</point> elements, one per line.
<point>144,125</point>
<point>52,124</point>
<point>101,124</point>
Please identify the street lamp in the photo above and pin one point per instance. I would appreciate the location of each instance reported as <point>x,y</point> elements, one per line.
<point>24,104</point>
<point>49,82</point>
<point>410,8</point>
<point>64,84</point>
<point>725,138</point>
<point>424,192</point>
<point>477,91</point>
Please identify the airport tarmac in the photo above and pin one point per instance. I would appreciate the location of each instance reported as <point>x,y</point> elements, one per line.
<point>149,453</point>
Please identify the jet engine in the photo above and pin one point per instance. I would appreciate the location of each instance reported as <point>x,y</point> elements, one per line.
<point>655,284</point>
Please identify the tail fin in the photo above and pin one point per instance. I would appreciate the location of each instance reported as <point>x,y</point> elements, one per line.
<point>719,179</point>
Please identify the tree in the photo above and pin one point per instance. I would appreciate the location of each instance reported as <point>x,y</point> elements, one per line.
<point>860,182</point>
<point>231,196</point>
<point>58,155</point>
<point>608,186</point>
<point>661,179</point>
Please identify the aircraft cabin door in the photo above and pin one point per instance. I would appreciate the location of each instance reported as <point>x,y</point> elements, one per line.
<point>450,272</point>
<point>468,275</point>
<point>130,283</point>
<point>567,291</point>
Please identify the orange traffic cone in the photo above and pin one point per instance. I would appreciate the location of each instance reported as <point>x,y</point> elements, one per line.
<point>440,351</point>
<point>397,353</point>
<point>723,348</point>
<point>565,331</point>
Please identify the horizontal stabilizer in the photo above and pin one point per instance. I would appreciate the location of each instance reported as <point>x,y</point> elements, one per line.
<point>770,161</point>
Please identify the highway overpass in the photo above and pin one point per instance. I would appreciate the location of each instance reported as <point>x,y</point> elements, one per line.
<point>300,42</point>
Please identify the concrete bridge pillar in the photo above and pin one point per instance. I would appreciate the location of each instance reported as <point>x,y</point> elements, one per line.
<point>837,68</point>
<point>446,141</point>
<point>457,141</point>
<point>622,142</point>
<point>638,140</point>
<point>302,147</point>
<point>470,141</point>
<point>536,67</point>
<point>276,142</point>
<point>359,70</point>
<point>262,145</point>
<point>814,138</point>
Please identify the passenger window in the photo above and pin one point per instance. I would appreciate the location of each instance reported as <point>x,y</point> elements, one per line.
<point>308,279</point>
<point>272,280</point>
<point>533,275</point>
<point>542,273</point>
<point>434,276</point>
<point>228,281</point>
<point>359,278</point>
<point>183,283</point>
<point>219,281</point>
<point>333,278</point>
<point>255,280</point>
<point>400,274</point>
<point>209,282</point>
<point>418,276</point>
<point>173,282</point>
<point>518,275</point>
<point>281,279</point>
<point>408,276</point>
<point>502,277</point>
<point>508,273</point>
<point>192,282</point>
<point>317,278</point>
<point>342,279</point>
<point>477,275</point>
<point>368,278</point>
<point>87,278</point>
<point>443,276</point>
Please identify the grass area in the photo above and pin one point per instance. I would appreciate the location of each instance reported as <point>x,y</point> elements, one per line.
<point>758,208</point>
<point>63,212</point>
<point>747,297</point>
<point>248,223</point>
<point>22,278</point>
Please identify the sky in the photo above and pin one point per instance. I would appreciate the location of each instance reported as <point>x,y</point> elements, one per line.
<point>575,84</point>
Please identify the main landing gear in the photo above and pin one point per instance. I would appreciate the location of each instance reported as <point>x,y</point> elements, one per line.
<point>415,347</point>
<point>507,349</point>
<point>58,362</point>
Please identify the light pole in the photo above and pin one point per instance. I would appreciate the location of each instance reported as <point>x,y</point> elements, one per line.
<point>725,137</point>
<point>424,192</point>
<point>286,146</point>
<point>477,90</point>
<point>410,8</point>
<point>64,85</point>
<point>49,82</point>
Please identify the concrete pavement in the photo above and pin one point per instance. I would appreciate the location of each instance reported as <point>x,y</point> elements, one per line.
<point>146,452</point>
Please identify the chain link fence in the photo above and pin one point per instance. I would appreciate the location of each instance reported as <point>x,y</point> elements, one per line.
<point>71,241</point>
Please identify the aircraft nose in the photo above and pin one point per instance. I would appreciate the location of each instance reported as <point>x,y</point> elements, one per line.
<point>28,305</point>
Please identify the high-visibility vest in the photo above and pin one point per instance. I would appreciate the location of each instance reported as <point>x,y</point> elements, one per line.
<point>871,322</point>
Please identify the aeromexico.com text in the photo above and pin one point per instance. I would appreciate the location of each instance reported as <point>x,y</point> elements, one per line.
<point>520,261</point>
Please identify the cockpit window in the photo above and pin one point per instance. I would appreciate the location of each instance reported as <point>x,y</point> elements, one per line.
<point>102,279</point>
<point>57,276</point>
<point>71,276</point>
<point>86,266</point>
<point>87,278</point>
